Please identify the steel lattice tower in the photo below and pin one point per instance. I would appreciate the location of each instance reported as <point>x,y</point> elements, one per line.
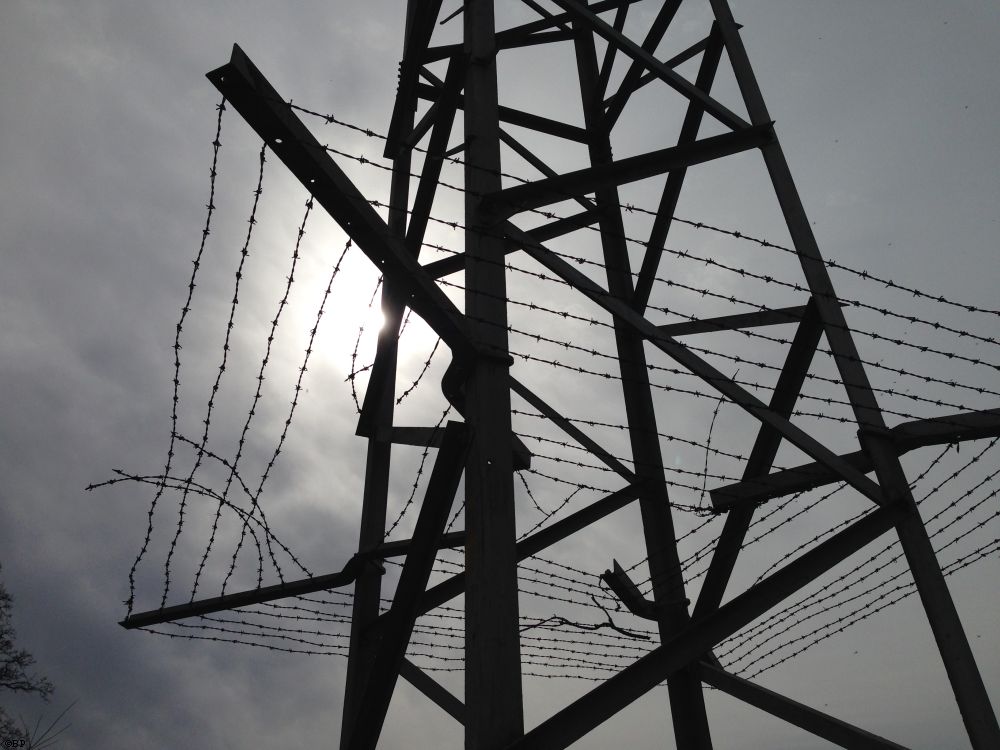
<point>479,384</point>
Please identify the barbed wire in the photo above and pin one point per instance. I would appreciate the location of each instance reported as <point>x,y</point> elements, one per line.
<point>244,253</point>
<point>732,299</point>
<point>746,332</point>
<point>840,624</point>
<point>855,575</point>
<point>357,345</point>
<point>557,588</point>
<point>307,355</point>
<point>185,309</point>
<point>420,470</point>
<point>863,274</point>
<point>289,280</point>
<point>742,272</point>
<point>416,382</point>
<point>708,261</point>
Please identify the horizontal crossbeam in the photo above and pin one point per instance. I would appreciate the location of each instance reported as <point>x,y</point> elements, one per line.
<point>245,598</point>
<point>520,117</point>
<point>424,437</point>
<point>582,181</point>
<point>775,317</point>
<point>402,546</point>
<point>903,438</point>
<point>509,41</point>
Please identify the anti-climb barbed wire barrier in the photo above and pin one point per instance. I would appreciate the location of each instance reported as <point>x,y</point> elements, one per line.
<point>253,521</point>
<point>863,274</point>
<point>230,633</point>
<point>871,566</point>
<point>565,595</point>
<point>951,383</point>
<point>746,273</point>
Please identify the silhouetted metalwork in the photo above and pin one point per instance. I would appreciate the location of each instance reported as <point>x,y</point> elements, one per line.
<point>478,385</point>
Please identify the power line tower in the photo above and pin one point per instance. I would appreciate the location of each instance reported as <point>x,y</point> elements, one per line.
<point>478,383</point>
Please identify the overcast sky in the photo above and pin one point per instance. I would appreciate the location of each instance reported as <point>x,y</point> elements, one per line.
<point>887,113</point>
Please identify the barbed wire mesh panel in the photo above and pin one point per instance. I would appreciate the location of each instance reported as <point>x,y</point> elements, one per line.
<point>747,463</point>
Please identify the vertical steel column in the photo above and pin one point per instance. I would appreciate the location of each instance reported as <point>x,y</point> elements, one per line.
<point>494,711</point>
<point>967,684</point>
<point>368,587</point>
<point>687,702</point>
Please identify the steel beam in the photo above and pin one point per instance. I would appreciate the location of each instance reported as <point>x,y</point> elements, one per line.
<point>510,201</point>
<point>765,449</point>
<point>666,74</point>
<point>423,437</point>
<point>551,20</point>
<point>815,722</point>
<point>451,587</point>
<point>394,638</point>
<point>581,519</point>
<point>617,101</point>
<point>565,225</point>
<point>685,357</point>
<point>967,684</point>
<point>653,37</point>
<point>521,150</point>
<point>430,173</point>
<point>778,316</point>
<point>433,690</point>
<point>954,428</point>
<point>608,698</point>
<point>675,179</point>
<point>444,51</point>
<point>449,265</point>
<point>378,409</point>
<point>902,438</point>
<point>494,711</point>
<point>246,88</point>
<point>572,430</point>
<point>607,65</point>
<point>837,332</point>
<point>521,118</point>
<point>959,662</point>
<point>542,31</point>
<point>261,595</point>
<point>420,19</point>
<point>687,704</point>
<point>626,590</point>
<point>402,547</point>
